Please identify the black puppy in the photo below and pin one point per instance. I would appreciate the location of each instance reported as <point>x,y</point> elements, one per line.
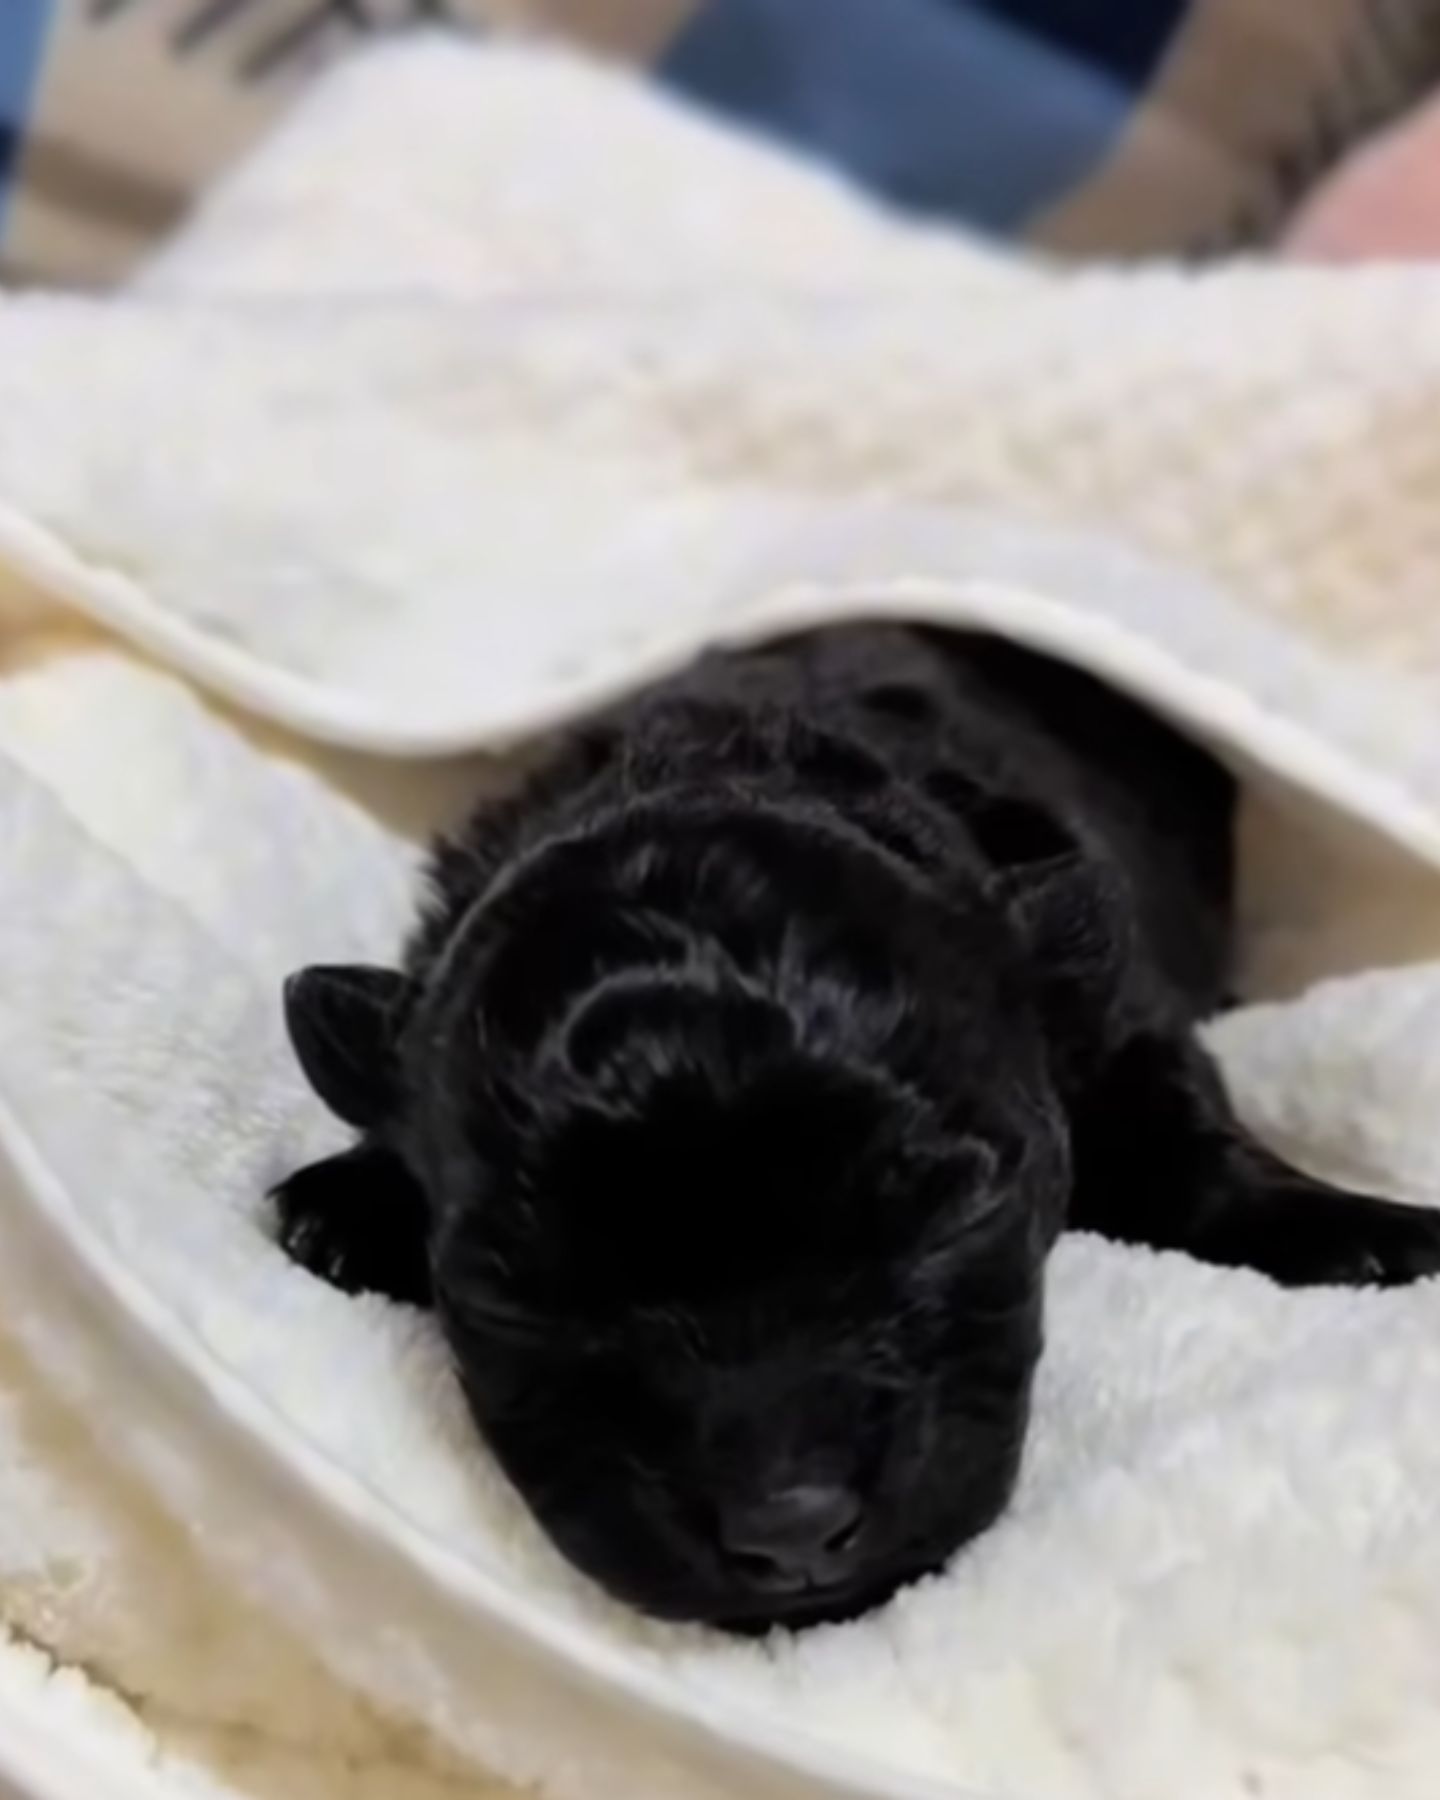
<point>741,1075</point>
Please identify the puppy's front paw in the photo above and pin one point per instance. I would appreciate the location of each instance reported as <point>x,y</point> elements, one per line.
<point>1316,1236</point>
<point>357,1220</point>
<point>1377,1243</point>
<point>313,1227</point>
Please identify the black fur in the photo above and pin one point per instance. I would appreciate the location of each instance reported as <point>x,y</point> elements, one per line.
<point>744,1069</point>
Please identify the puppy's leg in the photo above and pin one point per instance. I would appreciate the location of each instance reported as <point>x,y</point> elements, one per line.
<point>1162,1160</point>
<point>358,1221</point>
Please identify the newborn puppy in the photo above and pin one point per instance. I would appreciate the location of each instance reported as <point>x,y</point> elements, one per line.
<point>741,1074</point>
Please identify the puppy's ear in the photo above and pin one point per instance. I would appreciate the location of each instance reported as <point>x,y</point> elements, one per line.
<point>343,1023</point>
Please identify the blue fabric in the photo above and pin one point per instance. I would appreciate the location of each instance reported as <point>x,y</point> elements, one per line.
<point>984,112</point>
<point>23,28</point>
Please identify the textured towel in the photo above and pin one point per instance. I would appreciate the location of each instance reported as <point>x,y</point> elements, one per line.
<point>394,457</point>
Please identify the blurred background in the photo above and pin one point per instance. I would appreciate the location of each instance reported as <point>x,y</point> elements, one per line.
<point>1087,126</point>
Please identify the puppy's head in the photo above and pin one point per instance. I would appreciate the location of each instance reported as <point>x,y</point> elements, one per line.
<point>742,1161</point>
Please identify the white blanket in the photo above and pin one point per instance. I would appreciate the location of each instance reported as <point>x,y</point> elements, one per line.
<point>493,387</point>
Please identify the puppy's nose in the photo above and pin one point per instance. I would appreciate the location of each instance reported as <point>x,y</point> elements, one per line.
<point>796,1537</point>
